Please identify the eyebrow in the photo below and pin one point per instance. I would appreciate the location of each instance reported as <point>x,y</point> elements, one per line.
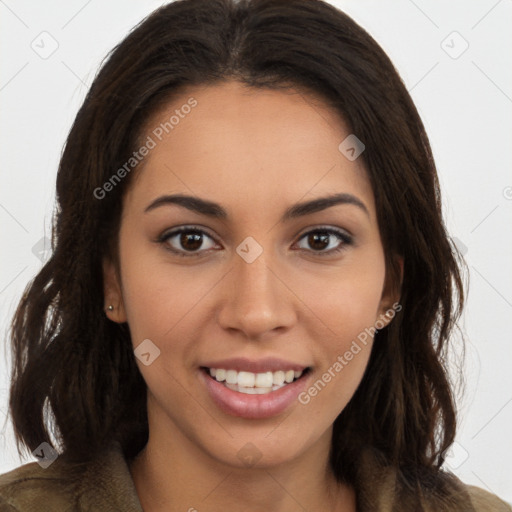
<point>216,211</point>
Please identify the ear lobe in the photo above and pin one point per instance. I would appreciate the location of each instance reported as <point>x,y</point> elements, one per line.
<point>391,293</point>
<point>112,293</point>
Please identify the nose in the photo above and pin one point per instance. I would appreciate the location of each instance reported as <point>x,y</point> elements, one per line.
<point>256,299</point>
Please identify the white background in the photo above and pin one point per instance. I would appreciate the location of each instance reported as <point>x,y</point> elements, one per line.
<point>465,103</point>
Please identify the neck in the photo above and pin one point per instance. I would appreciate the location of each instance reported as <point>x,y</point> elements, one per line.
<point>173,473</point>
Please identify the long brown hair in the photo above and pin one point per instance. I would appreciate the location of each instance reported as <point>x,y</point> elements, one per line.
<point>74,372</point>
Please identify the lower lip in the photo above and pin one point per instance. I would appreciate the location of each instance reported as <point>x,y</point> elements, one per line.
<point>254,406</point>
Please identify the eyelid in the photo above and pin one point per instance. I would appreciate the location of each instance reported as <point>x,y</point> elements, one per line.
<point>326,227</point>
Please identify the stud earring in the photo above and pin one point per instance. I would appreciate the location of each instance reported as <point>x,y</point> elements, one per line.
<point>111,308</point>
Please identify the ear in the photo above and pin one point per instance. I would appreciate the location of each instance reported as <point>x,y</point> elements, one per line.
<point>112,293</point>
<point>389,303</point>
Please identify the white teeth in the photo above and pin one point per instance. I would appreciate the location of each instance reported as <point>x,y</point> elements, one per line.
<point>231,376</point>
<point>249,391</point>
<point>254,383</point>
<point>246,379</point>
<point>264,380</point>
<point>252,391</point>
<point>220,374</point>
<point>278,377</point>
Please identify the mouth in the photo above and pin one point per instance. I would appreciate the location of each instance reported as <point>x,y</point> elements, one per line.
<point>252,383</point>
<point>254,395</point>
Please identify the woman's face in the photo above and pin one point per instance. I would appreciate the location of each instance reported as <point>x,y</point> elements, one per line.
<point>265,286</point>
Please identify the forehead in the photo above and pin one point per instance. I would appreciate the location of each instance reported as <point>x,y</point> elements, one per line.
<point>245,145</point>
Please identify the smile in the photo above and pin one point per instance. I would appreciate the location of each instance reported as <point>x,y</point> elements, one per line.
<point>254,395</point>
<point>254,383</point>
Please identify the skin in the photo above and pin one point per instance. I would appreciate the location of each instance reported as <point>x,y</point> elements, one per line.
<point>255,152</point>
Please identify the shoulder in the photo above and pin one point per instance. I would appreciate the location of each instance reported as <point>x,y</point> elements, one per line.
<point>102,483</point>
<point>449,494</point>
<point>29,485</point>
<point>382,486</point>
<point>484,501</point>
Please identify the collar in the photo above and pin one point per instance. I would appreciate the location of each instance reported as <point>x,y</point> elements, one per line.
<point>105,483</point>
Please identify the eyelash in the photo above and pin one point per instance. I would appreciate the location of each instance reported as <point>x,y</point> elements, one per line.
<point>342,236</point>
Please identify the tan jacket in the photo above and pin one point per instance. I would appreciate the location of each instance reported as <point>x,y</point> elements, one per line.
<point>105,484</point>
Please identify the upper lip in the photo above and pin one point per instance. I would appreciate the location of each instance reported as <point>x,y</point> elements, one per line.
<point>268,364</point>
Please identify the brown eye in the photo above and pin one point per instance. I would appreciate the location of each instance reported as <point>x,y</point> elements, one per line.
<point>190,241</point>
<point>185,240</point>
<point>320,239</point>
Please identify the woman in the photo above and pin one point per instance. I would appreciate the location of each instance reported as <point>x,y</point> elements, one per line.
<point>251,290</point>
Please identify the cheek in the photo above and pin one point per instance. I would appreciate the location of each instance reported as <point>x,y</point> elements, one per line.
<point>157,295</point>
<point>347,310</point>
<point>347,301</point>
<point>344,344</point>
